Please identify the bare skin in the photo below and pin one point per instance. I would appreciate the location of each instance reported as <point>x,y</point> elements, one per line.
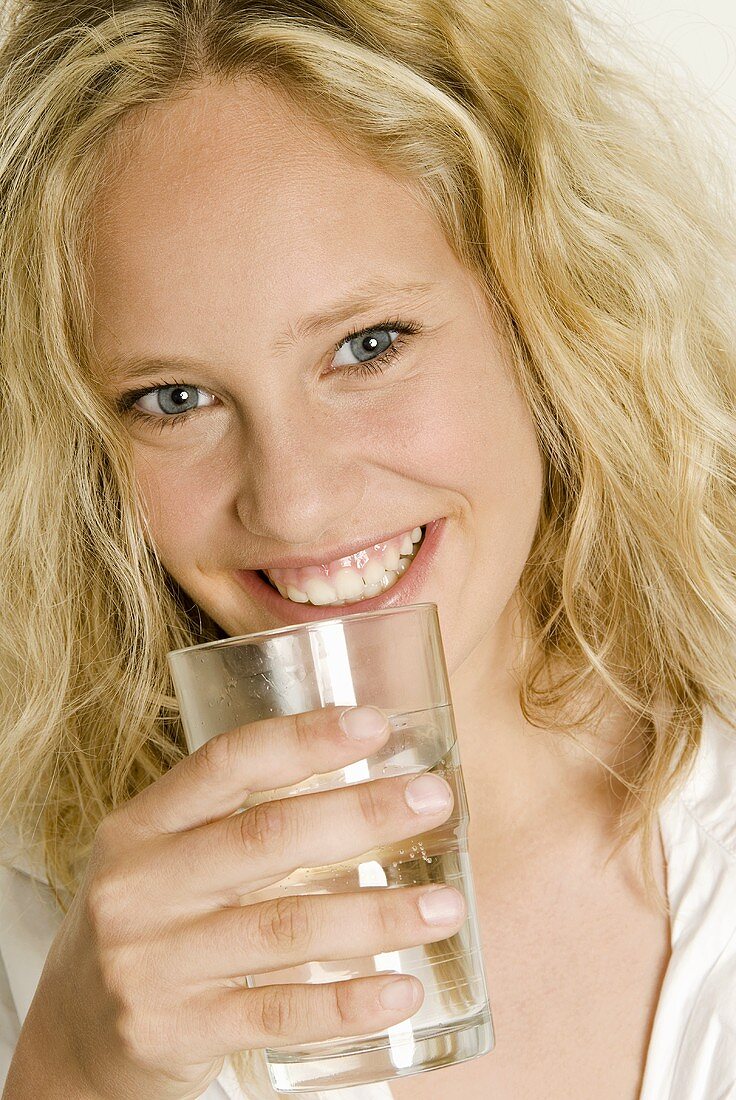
<point>228,217</point>
<point>575,953</point>
<point>562,1030</point>
<point>575,957</point>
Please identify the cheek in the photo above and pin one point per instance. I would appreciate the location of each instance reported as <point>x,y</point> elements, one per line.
<point>180,498</point>
<point>465,429</point>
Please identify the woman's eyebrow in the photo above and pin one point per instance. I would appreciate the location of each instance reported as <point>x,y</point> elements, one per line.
<point>377,293</point>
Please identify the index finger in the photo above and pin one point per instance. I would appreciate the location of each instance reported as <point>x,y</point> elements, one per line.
<point>216,779</point>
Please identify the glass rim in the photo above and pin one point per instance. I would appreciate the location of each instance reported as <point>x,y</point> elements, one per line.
<point>294,627</point>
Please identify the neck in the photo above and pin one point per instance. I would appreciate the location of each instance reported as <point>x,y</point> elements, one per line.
<point>518,775</point>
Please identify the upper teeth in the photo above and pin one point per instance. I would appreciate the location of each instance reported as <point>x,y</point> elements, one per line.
<point>360,576</point>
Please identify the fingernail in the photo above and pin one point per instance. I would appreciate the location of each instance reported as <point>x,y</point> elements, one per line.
<point>397,994</point>
<point>363,723</point>
<point>441,906</point>
<point>428,794</point>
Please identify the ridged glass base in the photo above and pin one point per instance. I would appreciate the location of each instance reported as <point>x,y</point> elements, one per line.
<point>363,1062</point>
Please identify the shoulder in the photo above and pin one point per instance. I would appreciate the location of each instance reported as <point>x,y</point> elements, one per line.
<point>698,829</point>
<point>691,1052</point>
<point>706,797</point>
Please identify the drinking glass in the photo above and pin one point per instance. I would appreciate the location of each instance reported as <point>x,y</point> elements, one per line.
<point>392,659</point>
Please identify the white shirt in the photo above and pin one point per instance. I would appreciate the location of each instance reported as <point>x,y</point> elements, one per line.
<point>692,1050</point>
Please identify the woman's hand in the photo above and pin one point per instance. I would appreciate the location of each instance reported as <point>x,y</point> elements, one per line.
<point>140,994</point>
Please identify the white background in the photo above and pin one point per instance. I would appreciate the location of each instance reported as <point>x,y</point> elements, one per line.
<point>694,40</point>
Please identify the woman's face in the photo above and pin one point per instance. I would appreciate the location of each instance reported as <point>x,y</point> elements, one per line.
<point>231,217</point>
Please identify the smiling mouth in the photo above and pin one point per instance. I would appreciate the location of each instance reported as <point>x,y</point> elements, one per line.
<point>372,574</point>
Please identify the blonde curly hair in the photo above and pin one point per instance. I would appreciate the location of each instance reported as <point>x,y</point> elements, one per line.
<point>600,224</point>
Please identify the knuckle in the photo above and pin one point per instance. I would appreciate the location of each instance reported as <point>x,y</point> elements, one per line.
<point>284,922</point>
<point>115,974</point>
<point>385,916</point>
<point>126,1028</point>
<point>343,1005</point>
<point>107,829</point>
<point>265,825</point>
<point>103,904</point>
<point>216,757</point>
<point>135,1038</point>
<point>110,836</point>
<point>143,1030</point>
<point>371,803</point>
<point>304,731</point>
<point>276,1011</point>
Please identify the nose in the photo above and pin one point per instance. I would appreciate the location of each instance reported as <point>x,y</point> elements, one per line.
<point>299,483</point>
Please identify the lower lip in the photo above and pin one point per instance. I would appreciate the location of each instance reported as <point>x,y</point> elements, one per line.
<point>405,591</point>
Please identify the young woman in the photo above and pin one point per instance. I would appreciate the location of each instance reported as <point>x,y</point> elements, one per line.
<point>281,281</point>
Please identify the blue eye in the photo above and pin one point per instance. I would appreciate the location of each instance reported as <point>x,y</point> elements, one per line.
<point>172,397</point>
<point>375,356</point>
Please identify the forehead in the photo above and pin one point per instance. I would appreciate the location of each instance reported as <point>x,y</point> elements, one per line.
<point>238,146</point>
<point>233,196</point>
